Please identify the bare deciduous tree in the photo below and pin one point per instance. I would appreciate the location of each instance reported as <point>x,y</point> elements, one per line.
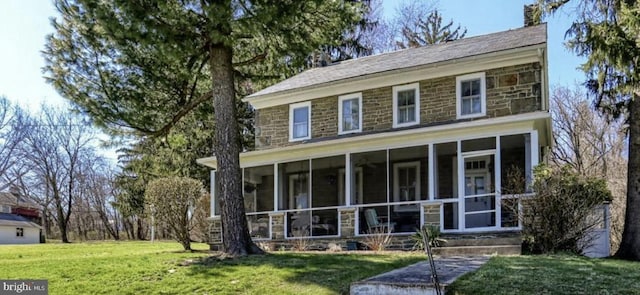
<point>54,149</point>
<point>12,132</point>
<point>591,145</point>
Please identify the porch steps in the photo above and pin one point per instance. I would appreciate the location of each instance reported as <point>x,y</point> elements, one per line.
<point>481,246</point>
<point>479,250</point>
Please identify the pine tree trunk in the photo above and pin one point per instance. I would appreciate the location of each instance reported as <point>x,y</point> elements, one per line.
<point>236,240</point>
<point>630,244</point>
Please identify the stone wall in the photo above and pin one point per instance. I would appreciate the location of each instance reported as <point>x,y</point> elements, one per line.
<point>347,232</point>
<point>432,214</point>
<point>510,90</point>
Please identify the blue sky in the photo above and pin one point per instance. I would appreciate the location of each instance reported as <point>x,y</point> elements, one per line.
<point>25,23</point>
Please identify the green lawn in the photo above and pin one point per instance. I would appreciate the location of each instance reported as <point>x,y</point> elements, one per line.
<point>146,268</point>
<point>561,274</point>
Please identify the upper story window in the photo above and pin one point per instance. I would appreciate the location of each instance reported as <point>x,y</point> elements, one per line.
<point>300,121</point>
<point>406,105</point>
<point>471,97</point>
<point>350,113</point>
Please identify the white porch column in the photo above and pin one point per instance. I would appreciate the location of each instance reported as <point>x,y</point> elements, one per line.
<point>497,159</point>
<point>535,150</point>
<point>213,193</point>
<point>528,172</point>
<point>276,188</point>
<point>531,155</point>
<point>348,179</point>
<point>432,173</point>
<point>461,185</point>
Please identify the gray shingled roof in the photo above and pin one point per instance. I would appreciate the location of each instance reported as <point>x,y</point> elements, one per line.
<point>414,57</point>
<point>8,219</point>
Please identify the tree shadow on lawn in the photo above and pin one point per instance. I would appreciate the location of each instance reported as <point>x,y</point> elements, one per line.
<point>334,271</point>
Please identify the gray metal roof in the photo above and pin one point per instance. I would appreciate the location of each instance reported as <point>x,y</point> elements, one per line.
<point>413,57</point>
<point>8,219</point>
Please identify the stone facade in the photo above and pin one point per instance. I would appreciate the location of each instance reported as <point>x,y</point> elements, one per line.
<point>432,214</point>
<point>509,91</point>
<point>347,222</point>
<point>348,215</point>
<point>277,225</point>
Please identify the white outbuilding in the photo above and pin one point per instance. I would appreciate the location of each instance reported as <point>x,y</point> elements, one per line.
<point>15,229</point>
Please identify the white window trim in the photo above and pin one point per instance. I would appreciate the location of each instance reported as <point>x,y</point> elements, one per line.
<point>292,107</point>
<point>349,97</point>
<point>342,185</point>
<point>396,89</point>
<point>483,95</point>
<point>396,188</point>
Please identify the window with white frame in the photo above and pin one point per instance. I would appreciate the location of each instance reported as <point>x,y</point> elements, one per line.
<point>406,185</point>
<point>300,121</point>
<point>471,98</point>
<point>350,113</point>
<point>406,105</point>
<point>19,232</point>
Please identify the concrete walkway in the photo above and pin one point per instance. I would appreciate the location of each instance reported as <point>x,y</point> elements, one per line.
<point>416,278</point>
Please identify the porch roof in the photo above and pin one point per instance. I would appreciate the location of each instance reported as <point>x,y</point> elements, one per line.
<point>540,121</point>
<point>407,59</point>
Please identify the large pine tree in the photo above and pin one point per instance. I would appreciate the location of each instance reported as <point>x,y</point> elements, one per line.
<point>606,33</point>
<point>140,66</point>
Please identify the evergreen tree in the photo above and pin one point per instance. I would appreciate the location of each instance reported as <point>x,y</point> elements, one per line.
<point>139,67</point>
<point>606,33</point>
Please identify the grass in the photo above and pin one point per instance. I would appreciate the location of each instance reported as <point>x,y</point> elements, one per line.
<point>146,268</point>
<point>557,274</point>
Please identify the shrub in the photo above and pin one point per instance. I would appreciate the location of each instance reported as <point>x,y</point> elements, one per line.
<point>377,240</point>
<point>172,202</point>
<point>301,241</point>
<point>432,233</point>
<point>560,215</point>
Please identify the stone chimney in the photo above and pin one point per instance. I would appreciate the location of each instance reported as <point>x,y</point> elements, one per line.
<point>531,17</point>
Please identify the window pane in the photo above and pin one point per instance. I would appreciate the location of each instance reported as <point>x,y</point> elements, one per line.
<point>350,115</point>
<point>354,106</point>
<point>346,107</point>
<point>402,176</point>
<point>411,114</point>
<point>466,88</point>
<point>327,180</point>
<point>509,212</point>
<point>301,122</point>
<point>450,218</point>
<point>300,115</point>
<point>466,106</point>
<point>258,188</point>
<point>475,87</point>
<point>406,114</point>
<point>406,97</point>
<point>477,106</point>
